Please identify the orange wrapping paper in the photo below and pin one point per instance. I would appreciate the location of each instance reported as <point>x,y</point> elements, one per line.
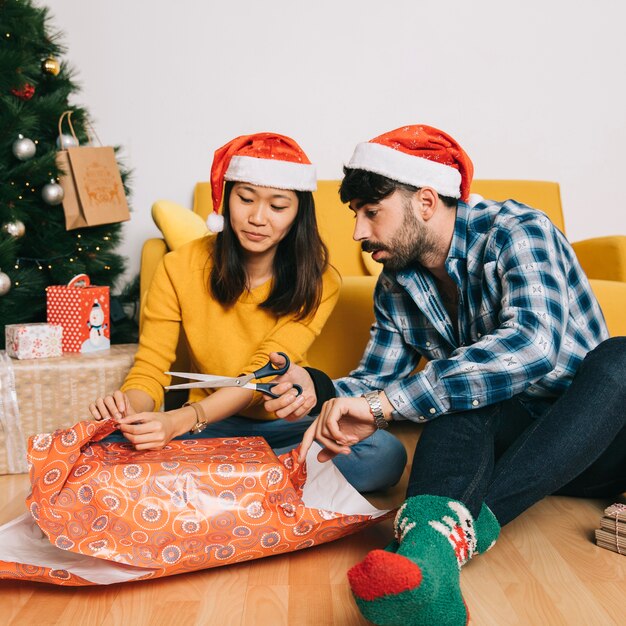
<point>195,504</point>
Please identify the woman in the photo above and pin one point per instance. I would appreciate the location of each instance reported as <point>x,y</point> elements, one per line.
<point>261,285</point>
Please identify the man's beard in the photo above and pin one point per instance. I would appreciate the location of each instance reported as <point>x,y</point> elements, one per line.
<point>413,243</point>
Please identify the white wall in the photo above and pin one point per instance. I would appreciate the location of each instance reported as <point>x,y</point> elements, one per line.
<point>531,89</point>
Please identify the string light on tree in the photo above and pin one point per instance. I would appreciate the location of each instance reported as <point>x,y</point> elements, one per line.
<point>24,148</point>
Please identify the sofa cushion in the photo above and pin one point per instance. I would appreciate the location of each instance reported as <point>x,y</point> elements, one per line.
<point>178,224</point>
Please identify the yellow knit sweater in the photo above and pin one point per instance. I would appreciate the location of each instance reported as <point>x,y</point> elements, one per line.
<point>226,342</point>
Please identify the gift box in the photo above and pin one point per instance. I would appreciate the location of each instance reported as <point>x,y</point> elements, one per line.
<point>112,514</point>
<point>42,395</point>
<point>33,341</point>
<point>83,312</point>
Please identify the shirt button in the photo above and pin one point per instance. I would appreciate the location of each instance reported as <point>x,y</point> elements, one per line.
<point>428,344</point>
<point>475,403</point>
<point>479,335</point>
<point>421,418</point>
<point>432,411</point>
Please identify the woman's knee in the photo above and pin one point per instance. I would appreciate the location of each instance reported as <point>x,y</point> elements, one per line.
<point>375,463</point>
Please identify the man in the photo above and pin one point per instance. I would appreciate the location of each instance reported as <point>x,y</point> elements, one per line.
<point>523,394</point>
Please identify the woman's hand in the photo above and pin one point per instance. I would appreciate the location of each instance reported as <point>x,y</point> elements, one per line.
<point>342,423</point>
<point>148,431</point>
<point>289,405</point>
<point>114,406</point>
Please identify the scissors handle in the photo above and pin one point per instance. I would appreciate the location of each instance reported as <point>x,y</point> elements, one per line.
<point>266,388</point>
<point>269,369</point>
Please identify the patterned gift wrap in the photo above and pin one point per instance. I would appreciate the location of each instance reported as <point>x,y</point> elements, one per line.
<point>34,341</point>
<point>42,395</point>
<point>194,504</point>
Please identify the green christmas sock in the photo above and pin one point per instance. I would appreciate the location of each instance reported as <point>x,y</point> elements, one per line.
<point>418,585</point>
<point>487,529</point>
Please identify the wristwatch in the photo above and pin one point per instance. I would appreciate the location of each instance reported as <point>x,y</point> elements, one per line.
<point>201,419</point>
<point>376,409</point>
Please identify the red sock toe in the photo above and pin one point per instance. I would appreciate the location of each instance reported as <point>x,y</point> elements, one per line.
<point>383,573</point>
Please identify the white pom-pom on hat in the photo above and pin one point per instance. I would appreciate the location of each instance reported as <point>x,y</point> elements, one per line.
<point>474,198</point>
<point>215,222</point>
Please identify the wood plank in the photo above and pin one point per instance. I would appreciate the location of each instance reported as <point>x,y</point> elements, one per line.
<point>544,569</point>
<point>266,605</point>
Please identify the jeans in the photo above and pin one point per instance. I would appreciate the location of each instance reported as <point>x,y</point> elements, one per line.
<point>373,464</point>
<point>509,458</point>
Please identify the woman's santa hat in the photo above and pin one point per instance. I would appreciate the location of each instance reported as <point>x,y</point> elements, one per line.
<point>420,156</point>
<point>264,159</point>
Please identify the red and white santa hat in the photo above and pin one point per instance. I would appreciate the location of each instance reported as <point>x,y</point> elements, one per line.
<point>264,159</point>
<point>419,155</point>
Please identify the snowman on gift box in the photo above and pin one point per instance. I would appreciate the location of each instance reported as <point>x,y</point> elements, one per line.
<point>97,339</point>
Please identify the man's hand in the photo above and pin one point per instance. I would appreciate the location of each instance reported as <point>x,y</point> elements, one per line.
<point>289,405</point>
<point>342,423</point>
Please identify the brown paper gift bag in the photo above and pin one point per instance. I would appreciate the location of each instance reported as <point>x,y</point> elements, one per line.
<point>92,185</point>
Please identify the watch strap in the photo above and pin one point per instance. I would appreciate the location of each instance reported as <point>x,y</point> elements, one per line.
<point>376,409</point>
<point>201,419</point>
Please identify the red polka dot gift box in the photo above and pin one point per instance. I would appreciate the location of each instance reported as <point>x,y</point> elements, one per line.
<point>83,311</point>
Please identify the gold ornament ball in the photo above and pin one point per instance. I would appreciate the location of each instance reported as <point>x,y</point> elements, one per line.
<point>15,229</point>
<point>51,66</point>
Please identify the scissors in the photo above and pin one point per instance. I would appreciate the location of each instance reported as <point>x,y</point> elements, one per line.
<point>208,380</point>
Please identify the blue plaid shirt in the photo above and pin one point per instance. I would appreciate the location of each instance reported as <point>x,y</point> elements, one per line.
<point>526,318</point>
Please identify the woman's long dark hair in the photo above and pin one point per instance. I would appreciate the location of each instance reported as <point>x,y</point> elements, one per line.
<point>301,260</point>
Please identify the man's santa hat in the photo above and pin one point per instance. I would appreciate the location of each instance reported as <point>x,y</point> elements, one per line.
<point>264,159</point>
<point>420,156</point>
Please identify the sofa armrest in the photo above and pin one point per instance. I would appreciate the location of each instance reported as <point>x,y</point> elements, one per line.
<point>603,257</point>
<point>611,295</point>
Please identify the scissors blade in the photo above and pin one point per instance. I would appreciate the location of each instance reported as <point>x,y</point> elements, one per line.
<point>203,381</point>
<point>197,385</point>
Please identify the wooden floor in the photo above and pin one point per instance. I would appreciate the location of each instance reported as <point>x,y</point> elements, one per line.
<point>545,569</point>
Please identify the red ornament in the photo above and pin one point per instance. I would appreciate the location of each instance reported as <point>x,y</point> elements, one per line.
<point>25,93</point>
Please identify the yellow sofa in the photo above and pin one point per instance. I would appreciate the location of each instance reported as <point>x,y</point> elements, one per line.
<point>338,348</point>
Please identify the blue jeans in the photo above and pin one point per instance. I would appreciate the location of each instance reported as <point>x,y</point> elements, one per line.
<point>509,458</point>
<point>375,463</point>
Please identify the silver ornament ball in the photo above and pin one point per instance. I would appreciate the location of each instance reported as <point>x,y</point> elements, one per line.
<point>5,284</point>
<point>15,228</point>
<point>24,148</point>
<point>66,141</point>
<point>52,193</point>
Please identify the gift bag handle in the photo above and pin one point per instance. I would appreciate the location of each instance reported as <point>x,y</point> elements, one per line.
<point>91,131</point>
<point>80,280</point>
<point>67,114</point>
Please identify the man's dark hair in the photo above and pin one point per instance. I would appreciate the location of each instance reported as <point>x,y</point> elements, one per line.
<point>370,188</point>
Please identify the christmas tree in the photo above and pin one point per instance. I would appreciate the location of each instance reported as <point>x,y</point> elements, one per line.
<point>36,250</point>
